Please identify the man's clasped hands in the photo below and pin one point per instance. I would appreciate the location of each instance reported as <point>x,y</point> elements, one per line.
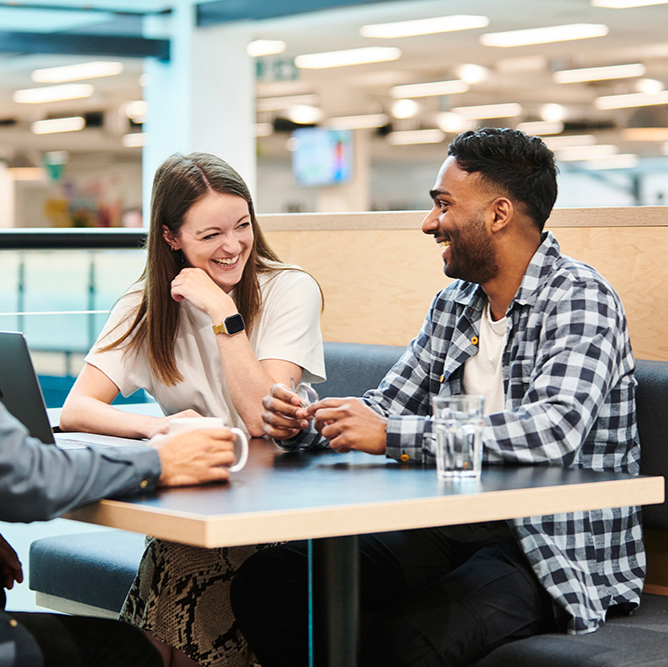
<point>347,423</point>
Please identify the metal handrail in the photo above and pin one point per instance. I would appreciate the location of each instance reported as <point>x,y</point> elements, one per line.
<point>72,239</point>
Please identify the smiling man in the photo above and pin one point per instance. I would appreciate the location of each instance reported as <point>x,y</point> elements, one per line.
<point>544,339</point>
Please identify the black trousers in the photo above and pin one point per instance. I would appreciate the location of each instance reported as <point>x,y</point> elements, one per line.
<point>78,641</point>
<point>429,597</point>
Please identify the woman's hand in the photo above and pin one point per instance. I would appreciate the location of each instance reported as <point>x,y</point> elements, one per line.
<point>283,416</point>
<point>198,288</point>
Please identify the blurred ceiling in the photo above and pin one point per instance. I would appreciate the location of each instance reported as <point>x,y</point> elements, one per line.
<point>522,75</point>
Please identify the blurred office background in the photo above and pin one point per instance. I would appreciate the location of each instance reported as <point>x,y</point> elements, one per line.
<point>322,106</point>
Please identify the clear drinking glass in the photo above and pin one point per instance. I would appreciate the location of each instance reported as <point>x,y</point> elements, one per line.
<point>458,436</point>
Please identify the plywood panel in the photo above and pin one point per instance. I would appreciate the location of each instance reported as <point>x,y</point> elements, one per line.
<point>635,261</point>
<point>377,286</point>
<point>379,273</point>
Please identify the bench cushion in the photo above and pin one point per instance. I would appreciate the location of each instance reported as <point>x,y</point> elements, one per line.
<point>95,569</point>
<point>353,368</point>
<point>624,641</point>
<point>652,413</point>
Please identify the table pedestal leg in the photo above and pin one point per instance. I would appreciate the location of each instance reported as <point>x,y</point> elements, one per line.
<point>334,609</point>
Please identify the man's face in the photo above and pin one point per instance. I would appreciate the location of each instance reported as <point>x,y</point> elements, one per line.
<point>459,222</point>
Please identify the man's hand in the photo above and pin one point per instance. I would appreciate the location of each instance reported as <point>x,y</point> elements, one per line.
<point>283,417</point>
<point>196,457</point>
<point>349,424</point>
<point>11,565</point>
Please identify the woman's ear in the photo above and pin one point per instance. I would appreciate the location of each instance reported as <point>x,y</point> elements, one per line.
<point>170,239</point>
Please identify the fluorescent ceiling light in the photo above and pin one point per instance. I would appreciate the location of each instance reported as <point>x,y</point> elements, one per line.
<point>136,110</point>
<point>489,111</point>
<point>453,123</point>
<point>265,47</point>
<point>304,114</point>
<point>579,153</point>
<point>626,4</point>
<point>572,141</point>
<point>92,70</point>
<point>541,127</point>
<point>424,26</point>
<point>429,89</point>
<point>599,73</point>
<point>280,103</point>
<point>66,91</point>
<point>471,73</point>
<point>631,100</point>
<point>645,134</point>
<point>620,161</point>
<point>553,112</point>
<point>405,108</point>
<point>53,125</point>
<point>415,137</point>
<point>365,55</point>
<point>263,129</point>
<point>358,122</point>
<point>556,33</point>
<point>649,86</point>
<point>134,139</point>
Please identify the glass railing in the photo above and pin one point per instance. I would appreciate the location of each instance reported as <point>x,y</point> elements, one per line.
<point>57,288</point>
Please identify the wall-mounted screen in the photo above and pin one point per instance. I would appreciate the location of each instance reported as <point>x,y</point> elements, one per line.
<point>321,156</point>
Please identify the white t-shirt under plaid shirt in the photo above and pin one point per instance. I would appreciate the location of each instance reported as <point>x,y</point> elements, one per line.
<point>569,401</point>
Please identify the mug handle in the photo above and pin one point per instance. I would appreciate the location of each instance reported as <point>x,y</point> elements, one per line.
<point>243,441</point>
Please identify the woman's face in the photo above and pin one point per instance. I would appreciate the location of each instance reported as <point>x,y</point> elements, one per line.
<point>217,237</point>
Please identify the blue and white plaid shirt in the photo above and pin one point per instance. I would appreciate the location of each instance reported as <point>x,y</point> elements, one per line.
<point>570,401</point>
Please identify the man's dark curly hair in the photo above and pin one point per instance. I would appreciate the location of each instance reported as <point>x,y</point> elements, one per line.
<point>522,166</point>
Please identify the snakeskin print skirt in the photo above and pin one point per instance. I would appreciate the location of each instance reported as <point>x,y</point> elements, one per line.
<point>181,595</point>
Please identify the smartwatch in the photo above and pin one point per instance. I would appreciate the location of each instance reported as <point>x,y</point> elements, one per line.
<point>231,325</point>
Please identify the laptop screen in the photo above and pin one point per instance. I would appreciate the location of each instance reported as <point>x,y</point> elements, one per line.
<point>19,387</point>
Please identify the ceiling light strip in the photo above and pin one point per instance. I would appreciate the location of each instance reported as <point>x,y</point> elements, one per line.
<point>92,70</point>
<point>541,127</point>
<point>557,33</point>
<point>407,137</point>
<point>362,56</point>
<point>54,125</point>
<point>626,4</point>
<point>280,103</point>
<point>66,91</point>
<point>489,111</point>
<point>429,89</point>
<point>363,122</point>
<point>427,26</point>
<point>599,73</point>
<point>631,100</point>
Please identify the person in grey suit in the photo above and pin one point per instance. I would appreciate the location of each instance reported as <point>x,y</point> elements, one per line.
<point>39,482</point>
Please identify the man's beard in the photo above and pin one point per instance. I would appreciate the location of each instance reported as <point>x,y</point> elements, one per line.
<point>472,254</point>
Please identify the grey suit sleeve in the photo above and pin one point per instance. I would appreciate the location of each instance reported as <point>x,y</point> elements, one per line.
<point>40,482</point>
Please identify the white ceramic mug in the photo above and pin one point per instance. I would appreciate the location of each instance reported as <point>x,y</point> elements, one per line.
<point>183,424</point>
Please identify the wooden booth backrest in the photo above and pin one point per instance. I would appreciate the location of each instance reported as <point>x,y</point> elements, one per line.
<point>379,272</point>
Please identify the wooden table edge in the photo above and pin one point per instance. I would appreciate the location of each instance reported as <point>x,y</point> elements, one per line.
<point>331,521</point>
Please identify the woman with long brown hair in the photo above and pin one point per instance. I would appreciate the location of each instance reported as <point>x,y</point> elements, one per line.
<point>214,322</point>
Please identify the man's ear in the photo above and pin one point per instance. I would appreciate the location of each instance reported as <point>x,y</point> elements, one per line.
<point>502,212</point>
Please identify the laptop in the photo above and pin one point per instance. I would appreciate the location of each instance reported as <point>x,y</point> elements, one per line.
<point>22,396</point>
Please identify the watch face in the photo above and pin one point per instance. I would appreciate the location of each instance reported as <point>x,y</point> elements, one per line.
<point>234,324</point>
